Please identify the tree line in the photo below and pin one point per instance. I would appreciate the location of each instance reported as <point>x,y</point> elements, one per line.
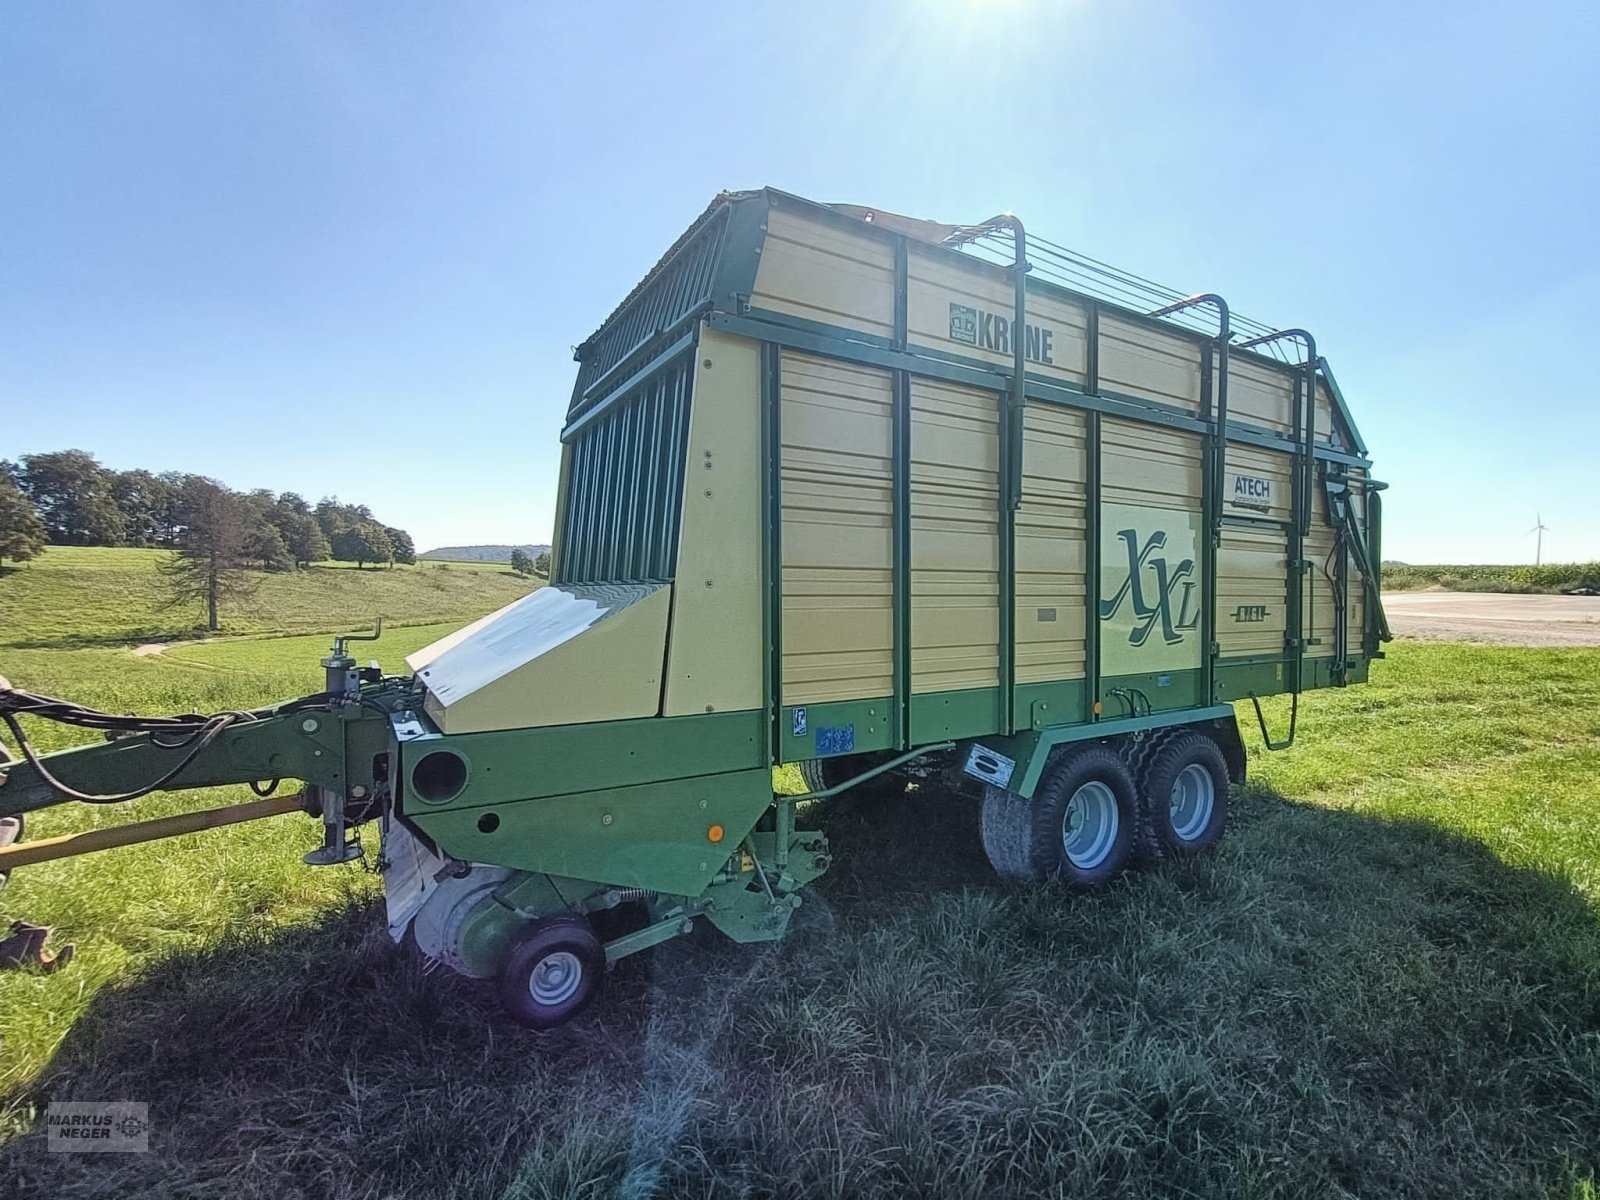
<point>66,498</point>
<point>220,539</point>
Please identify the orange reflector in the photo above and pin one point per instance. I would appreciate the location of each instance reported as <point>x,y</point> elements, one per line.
<point>714,833</point>
<point>1097,708</point>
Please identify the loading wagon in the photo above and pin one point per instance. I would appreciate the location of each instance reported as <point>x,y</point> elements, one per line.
<point>936,506</point>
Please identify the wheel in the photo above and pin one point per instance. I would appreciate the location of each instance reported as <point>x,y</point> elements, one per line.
<point>1186,796</point>
<point>1078,828</point>
<point>551,971</point>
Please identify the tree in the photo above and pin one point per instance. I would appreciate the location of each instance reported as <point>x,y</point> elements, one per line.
<point>305,539</point>
<point>405,551</point>
<point>72,494</point>
<point>541,563</point>
<point>169,512</point>
<point>362,543</point>
<point>265,547</point>
<point>210,560</point>
<point>22,533</point>
<point>143,500</point>
<point>521,562</point>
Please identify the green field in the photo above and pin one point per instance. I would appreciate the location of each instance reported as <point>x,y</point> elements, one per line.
<point>1385,983</point>
<point>1550,578</point>
<point>76,597</point>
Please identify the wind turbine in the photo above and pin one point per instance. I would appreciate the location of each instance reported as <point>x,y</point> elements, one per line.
<point>1539,528</point>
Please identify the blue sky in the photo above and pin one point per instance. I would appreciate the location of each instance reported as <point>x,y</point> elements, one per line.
<point>349,247</point>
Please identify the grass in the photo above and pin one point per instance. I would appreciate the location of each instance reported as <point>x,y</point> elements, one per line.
<point>74,597</point>
<point>1550,579</point>
<point>1385,983</point>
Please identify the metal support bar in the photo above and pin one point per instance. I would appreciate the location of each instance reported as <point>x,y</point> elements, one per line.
<point>1294,713</point>
<point>789,801</point>
<point>70,845</point>
<point>1091,573</point>
<point>1011,411</point>
<point>1304,472</point>
<point>650,935</point>
<point>772,563</point>
<point>901,510</point>
<point>1214,469</point>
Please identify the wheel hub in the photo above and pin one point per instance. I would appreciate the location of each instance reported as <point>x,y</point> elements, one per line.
<point>556,978</point>
<point>1089,826</point>
<point>1193,798</point>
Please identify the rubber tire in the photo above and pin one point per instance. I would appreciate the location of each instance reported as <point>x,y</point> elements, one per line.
<point>1023,837</point>
<point>1185,750</point>
<point>540,939</point>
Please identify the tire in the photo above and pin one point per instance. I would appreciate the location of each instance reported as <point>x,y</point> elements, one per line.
<point>1185,796</point>
<point>551,971</point>
<point>1079,827</point>
<point>1007,830</point>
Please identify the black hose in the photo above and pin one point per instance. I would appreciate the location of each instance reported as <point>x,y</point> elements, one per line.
<point>213,728</point>
<point>191,731</point>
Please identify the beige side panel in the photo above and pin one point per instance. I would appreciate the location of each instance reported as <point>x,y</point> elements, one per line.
<point>1324,413</point>
<point>1260,395</point>
<point>610,672</point>
<point>714,660</point>
<point>822,272</point>
<point>936,281</point>
<point>955,542</point>
<point>1252,574</point>
<point>1258,483</point>
<point>1051,556</point>
<point>838,538</point>
<point>1149,465</point>
<point>1144,362</point>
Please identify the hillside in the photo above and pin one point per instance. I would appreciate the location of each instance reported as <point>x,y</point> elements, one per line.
<point>74,596</point>
<point>496,554</point>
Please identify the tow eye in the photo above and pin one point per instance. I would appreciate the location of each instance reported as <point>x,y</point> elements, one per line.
<point>25,946</point>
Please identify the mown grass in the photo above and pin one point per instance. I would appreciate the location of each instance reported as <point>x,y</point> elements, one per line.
<point>1385,983</point>
<point>71,597</point>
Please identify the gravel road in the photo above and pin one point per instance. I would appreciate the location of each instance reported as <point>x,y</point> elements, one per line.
<point>1493,617</point>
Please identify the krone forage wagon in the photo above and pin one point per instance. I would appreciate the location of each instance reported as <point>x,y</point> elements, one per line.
<point>881,497</point>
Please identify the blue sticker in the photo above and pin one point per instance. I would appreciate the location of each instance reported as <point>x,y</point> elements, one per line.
<point>1163,680</point>
<point>839,739</point>
<point>799,722</point>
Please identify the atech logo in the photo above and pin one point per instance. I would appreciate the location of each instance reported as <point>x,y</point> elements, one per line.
<point>1153,588</point>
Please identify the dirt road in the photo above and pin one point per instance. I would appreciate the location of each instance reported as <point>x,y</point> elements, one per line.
<point>1493,617</point>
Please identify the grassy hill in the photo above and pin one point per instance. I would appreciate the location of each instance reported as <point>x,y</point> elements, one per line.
<point>78,597</point>
<point>485,554</point>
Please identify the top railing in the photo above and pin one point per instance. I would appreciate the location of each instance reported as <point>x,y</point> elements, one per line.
<point>1101,281</point>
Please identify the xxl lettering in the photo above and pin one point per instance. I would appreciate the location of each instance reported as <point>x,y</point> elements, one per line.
<point>1156,604</point>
